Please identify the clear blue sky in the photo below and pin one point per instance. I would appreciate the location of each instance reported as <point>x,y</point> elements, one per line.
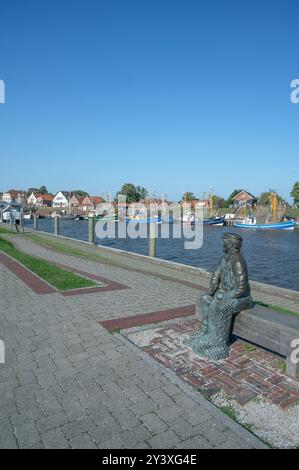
<point>174,95</point>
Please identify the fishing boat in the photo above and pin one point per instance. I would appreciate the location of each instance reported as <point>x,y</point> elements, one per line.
<point>278,223</point>
<point>144,220</point>
<point>214,221</point>
<point>290,225</point>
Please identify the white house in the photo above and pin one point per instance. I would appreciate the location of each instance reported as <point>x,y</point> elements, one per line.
<point>14,195</point>
<point>40,200</point>
<point>31,201</point>
<point>62,199</point>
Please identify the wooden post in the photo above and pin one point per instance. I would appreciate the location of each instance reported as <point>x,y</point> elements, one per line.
<point>22,222</point>
<point>152,239</point>
<point>35,222</point>
<point>91,229</point>
<point>56,225</point>
<point>11,220</point>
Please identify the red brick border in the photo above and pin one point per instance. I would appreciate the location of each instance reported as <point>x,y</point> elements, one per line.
<point>32,281</point>
<point>41,287</point>
<point>111,285</point>
<point>147,318</point>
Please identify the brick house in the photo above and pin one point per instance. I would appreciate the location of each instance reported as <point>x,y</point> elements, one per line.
<point>76,201</point>
<point>244,198</point>
<point>90,203</point>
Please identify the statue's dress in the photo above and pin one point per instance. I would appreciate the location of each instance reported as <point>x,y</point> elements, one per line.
<point>229,293</point>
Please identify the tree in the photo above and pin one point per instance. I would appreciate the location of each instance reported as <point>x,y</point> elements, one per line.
<point>218,202</point>
<point>295,193</point>
<point>265,200</point>
<point>132,193</point>
<point>32,190</point>
<point>142,192</point>
<point>187,197</point>
<point>43,190</point>
<point>79,192</point>
<point>229,201</point>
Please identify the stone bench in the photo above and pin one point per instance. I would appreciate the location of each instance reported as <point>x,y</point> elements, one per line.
<point>271,330</point>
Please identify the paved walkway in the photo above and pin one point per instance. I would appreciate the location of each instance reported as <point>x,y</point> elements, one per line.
<point>67,382</point>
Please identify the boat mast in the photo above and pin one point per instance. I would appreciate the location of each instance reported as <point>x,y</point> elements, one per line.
<point>211,199</point>
<point>274,204</point>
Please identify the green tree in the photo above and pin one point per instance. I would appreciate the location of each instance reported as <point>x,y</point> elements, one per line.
<point>80,192</point>
<point>187,197</point>
<point>132,193</point>
<point>264,199</point>
<point>295,193</point>
<point>218,201</point>
<point>32,190</point>
<point>142,192</point>
<point>43,190</point>
<point>229,201</point>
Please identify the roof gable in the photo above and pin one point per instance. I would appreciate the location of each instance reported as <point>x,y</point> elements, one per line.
<point>243,196</point>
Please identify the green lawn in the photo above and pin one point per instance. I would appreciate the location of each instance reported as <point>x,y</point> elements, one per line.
<point>63,248</point>
<point>58,277</point>
<point>6,231</point>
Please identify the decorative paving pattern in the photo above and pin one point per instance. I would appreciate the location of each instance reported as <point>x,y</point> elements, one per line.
<point>248,373</point>
<point>148,318</point>
<point>41,287</point>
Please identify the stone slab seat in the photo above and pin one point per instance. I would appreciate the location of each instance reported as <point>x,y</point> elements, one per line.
<point>269,329</point>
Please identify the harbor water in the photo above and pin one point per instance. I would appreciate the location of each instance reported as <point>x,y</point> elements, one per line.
<point>272,255</point>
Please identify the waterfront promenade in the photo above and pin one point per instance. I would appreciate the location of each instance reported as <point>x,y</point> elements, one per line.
<point>69,382</point>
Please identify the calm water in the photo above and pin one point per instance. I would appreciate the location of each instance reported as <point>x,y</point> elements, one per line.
<point>272,255</point>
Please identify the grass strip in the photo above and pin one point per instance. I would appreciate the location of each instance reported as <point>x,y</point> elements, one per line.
<point>7,231</point>
<point>62,248</point>
<point>60,278</point>
<point>278,309</point>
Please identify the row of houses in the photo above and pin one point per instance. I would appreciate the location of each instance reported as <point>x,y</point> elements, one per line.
<point>73,202</point>
<point>63,199</point>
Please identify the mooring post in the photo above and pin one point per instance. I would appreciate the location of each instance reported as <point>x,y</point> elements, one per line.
<point>35,222</point>
<point>11,220</point>
<point>91,229</point>
<point>152,239</point>
<point>56,225</point>
<point>22,222</point>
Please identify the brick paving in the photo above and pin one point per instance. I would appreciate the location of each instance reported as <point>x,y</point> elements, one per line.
<point>248,373</point>
<point>67,382</point>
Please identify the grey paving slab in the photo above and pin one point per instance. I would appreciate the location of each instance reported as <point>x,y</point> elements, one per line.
<point>67,382</point>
